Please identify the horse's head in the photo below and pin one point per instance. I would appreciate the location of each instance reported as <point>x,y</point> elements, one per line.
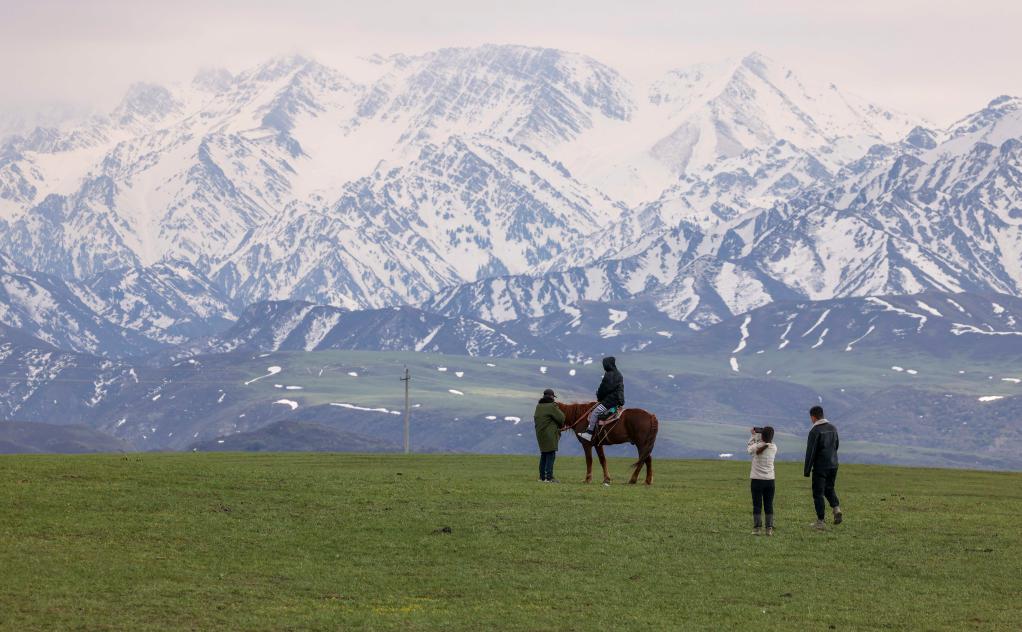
<point>575,413</point>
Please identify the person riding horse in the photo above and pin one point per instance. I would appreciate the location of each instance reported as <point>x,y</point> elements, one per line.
<point>610,396</point>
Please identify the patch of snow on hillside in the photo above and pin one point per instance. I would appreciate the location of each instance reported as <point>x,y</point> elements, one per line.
<point>819,322</point>
<point>744,331</point>
<point>616,318</point>
<point>725,455</point>
<point>543,370</point>
<point>734,365</point>
<point>571,372</point>
<point>998,309</point>
<point>454,392</point>
<point>288,402</point>
<point>926,308</point>
<point>957,306</point>
<point>294,388</point>
<point>459,374</point>
<point>491,417</point>
<point>515,420</point>
<point>665,334</point>
<point>442,369</point>
<point>364,408</point>
<point>1013,380</point>
<point>897,368</point>
<point>991,398</point>
<point>868,332</point>
<point>784,336</point>
<point>959,329</point>
<point>272,370</point>
<point>822,336</point>
<point>891,308</point>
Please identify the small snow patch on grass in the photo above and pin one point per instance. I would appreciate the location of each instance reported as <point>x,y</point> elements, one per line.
<point>454,392</point>
<point>725,455</point>
<point>991,398</point>
<point>288,402</point>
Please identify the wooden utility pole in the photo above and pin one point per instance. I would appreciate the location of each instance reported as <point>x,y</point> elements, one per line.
<point>407,379</point>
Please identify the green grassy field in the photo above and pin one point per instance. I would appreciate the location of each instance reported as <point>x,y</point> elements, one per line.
<point>298,541</point>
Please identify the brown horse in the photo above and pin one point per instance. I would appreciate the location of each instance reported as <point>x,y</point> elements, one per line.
<point>636,426</point>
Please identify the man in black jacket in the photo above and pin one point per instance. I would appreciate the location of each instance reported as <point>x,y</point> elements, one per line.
<point>609,397</point>
<point>821,462</point>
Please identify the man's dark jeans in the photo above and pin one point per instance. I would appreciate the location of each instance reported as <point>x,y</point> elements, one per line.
<point>546,465</point>
<point>823,487</point>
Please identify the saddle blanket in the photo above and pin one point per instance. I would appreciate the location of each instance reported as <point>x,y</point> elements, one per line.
<point>612,418</point>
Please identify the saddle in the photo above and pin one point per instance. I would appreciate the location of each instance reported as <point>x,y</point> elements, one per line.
<point>610,417</point>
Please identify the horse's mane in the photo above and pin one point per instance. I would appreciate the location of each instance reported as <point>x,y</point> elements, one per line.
<point>575,411</point>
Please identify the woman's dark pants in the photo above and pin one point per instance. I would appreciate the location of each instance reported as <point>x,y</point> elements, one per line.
<point>762,499</point>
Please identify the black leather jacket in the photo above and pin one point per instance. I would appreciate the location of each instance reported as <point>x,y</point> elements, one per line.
<point>612,389</point>
<point>821,448</point>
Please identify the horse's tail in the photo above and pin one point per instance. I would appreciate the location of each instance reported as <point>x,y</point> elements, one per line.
<point>647,446</point>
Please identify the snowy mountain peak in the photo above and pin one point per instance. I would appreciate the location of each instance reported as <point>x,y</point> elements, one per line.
<point>213,80</point>
<point>280,67</point>
<point>145,103</point>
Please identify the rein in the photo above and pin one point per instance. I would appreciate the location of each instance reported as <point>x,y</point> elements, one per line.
<point>568,426</point>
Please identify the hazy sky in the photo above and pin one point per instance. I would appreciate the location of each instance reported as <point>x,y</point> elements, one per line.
<point>938,59</point>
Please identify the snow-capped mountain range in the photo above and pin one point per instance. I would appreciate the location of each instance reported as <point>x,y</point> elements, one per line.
<point>497,184</point>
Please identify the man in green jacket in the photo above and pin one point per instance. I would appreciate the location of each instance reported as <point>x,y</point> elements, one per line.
<point>549,421</point>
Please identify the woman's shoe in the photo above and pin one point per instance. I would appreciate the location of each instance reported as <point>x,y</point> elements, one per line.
<point>756,531</point>
<point>770,531</point>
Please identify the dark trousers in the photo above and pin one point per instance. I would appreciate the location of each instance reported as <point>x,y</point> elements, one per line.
<point>762,499</point>
<point>546,465</point>
<point>823,487</point>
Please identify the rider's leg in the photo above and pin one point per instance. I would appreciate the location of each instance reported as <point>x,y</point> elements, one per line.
<point>594,416</point>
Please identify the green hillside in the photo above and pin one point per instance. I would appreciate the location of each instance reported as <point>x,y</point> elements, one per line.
<point>299,541</point>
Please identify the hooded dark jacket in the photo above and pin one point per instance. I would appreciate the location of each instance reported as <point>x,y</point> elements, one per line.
<point>612,389</point>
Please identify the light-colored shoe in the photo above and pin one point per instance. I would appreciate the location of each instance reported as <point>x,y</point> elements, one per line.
<point>770,531</point>
<point>819,525</point>
<point>585,435</point>
<point>756,531</point>
<point>838,517</point>
<point>554,480</point>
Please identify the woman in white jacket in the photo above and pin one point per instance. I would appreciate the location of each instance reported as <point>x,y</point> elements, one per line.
<point>761,447</point>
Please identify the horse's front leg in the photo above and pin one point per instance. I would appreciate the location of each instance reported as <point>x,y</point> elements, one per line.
<point>603,464</point>
<point>589,462</point>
